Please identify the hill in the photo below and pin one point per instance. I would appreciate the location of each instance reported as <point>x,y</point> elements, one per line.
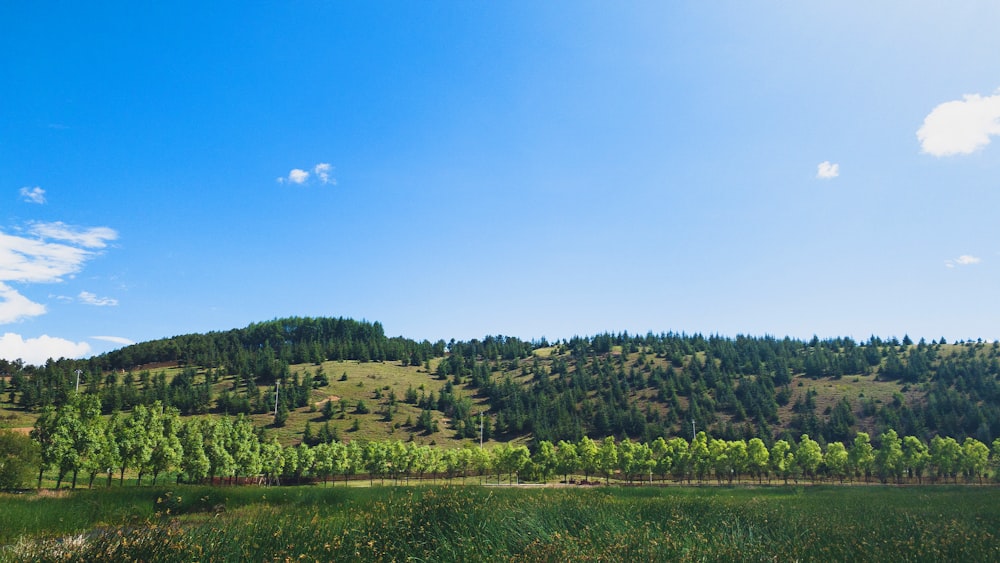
<point>339,378</point>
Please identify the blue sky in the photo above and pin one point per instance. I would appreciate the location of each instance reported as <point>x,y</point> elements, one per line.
<point>457,169</point>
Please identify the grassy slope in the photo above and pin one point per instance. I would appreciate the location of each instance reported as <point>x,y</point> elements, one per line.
<point>364,378</point>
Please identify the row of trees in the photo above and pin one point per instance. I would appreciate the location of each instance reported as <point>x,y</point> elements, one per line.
<point>154,441</point>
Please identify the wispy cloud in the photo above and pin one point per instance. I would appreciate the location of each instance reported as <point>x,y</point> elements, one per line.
<point>37,350</point>
<point>963,260</point>
<point>90,237</point>
<point>323,171</point>
<point>91,299</point>
<point>960,126</point>
<point>33,195</point>
<point>298,176</point>
<point>115,340</point>
<point>53,252</point>
<point>827,170</point>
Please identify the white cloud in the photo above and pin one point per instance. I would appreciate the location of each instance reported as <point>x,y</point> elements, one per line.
<point>960,126</point>
<point>91,299</point>
<point>33,195</point>
<point>53,252</point>
<point>963,260</point>
<point>299,176</point>
<point>827,171</point>
<point>296,176</point>
<point>14,306</point>
<point>115,340</point>
<point>37,350</point>
<point>323,170</point>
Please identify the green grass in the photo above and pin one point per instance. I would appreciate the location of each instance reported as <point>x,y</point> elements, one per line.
<point>500,524</point>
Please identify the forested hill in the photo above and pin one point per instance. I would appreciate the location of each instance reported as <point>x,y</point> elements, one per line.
<point>258,347</point>
<point>640,386</point>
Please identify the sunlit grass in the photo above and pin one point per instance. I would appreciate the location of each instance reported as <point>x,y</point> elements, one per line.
<point>490,524</point>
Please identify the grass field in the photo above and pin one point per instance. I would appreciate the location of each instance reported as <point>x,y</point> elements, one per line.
<point>474,523</point>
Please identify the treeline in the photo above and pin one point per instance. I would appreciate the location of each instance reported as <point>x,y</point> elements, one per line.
<point>75,439</point>
<point>635,386</point>
<point>293,340</point>
<point>646,386</point>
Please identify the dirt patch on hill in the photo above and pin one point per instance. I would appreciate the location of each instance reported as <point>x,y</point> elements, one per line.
<point>330,399</point>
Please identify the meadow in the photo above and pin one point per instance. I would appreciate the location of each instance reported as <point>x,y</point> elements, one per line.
<point>474,523</point>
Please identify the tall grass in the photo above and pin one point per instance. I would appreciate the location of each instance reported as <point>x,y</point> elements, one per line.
<point>485,524</point>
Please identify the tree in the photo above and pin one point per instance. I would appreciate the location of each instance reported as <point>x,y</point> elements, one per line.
<point>567,459</point>
<point>307,459</point>
<point>782,459</point>
<point>216,433</point>
<point>607,458</point>
<point>889,458</point>
<point>167,452</point>
<point>110,457</point>
<point>757,456</point>
<point>66,441</point>
<point>545,460</point>
<point>354,459</point>
<point>861,456</point>
<point>323,461</point>
<point>338,459</point>
<point>975,458</point>
<point>289,463</point>
<point>376,460</point>
<point>946,454</point>
<point>135,443</point>
<point>244,446</point>
<point>510,460</point>
<point>44,434</point>
<point>19,455</point>
<point>719,459</point>
<point>679,456</point>
<point>635,460</point>
<point>835,460</point>
<point>194,464</point>
<point>739,458</point>
<point>700,458</point>
<point>281,414</point>
<point>88,436</point>
<point>808,456</point>
<point>272,460</point>
<point>587,450</point>
<point>915,457</point>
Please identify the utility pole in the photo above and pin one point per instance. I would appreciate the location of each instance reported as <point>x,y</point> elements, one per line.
<point>480,429</point>
<point>276,384</point>
<point>78,372</point>
<point>692,430</point>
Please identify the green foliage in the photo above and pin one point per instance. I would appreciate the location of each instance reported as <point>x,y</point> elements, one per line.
<point>19,457</point>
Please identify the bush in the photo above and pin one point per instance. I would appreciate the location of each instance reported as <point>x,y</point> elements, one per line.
<point>19,459</point>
